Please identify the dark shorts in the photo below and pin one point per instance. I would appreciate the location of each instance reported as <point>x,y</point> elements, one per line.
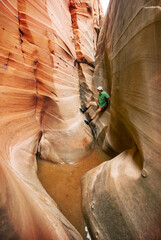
<point>102,108</point>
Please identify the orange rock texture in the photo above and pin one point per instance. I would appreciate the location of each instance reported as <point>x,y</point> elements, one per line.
<point>122,197</point>
<point>42,45</point>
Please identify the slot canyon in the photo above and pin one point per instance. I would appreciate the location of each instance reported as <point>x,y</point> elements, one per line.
<point>53,56</point>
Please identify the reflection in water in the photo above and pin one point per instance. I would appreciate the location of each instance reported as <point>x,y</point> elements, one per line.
<point>63,184</point>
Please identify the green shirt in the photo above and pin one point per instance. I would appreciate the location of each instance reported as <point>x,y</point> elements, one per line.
<point>102,99</point>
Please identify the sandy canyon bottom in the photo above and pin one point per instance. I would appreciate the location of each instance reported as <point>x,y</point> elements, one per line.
<point>63,184</point>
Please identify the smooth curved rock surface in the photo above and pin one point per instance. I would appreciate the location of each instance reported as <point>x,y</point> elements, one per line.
<point>39,109</point>
<point>122,198</point>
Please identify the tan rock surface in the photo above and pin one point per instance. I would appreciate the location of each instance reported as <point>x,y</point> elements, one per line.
<point>39,109</point>
<point>90,15</point>
<point>122,198</point>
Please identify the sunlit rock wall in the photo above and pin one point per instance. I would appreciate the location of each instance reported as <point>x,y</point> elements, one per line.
<point>39,109</point>
<point>122,197</point>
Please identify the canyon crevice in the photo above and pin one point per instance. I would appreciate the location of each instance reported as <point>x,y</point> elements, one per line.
<point>53,55</point>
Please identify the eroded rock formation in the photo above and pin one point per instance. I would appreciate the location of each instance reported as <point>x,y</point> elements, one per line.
<point>47,60</point>
<point>40,51</point>
<point>122,198</point>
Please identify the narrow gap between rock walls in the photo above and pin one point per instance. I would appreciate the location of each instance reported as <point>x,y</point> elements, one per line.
<point>63,184</point>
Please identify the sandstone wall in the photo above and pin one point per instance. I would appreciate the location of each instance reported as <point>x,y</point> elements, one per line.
<point>122,198</point>
<point>39,108</point>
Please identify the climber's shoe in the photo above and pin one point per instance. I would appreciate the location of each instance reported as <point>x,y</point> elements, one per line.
<point>83,110</point>
<point>88,122</point>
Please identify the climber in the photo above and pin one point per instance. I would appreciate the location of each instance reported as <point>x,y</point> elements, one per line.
<point>103,102</point>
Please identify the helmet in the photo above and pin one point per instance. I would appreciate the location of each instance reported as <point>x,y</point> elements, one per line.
<point>100,88</point>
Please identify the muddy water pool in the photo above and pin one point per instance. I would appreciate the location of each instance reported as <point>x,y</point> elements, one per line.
<point>63,184</point>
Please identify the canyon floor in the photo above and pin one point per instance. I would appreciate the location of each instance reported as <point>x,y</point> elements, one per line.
<point>63,183</point>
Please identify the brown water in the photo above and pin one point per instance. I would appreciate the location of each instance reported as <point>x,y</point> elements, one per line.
<point>62,182</point>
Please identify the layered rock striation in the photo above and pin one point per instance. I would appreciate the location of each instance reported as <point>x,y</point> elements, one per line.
<point>39,108</point>
<point>47,61</point>
<point>122,197</point>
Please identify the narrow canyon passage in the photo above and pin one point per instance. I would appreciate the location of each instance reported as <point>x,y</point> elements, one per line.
<point>63,184</point>
<point>53,57</point>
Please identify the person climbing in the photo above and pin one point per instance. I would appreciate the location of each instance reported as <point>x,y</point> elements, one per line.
<point>103,102</point>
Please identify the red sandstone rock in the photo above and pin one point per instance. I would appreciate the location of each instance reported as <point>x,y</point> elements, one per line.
<point>122,198</point>
<point>39,109</point>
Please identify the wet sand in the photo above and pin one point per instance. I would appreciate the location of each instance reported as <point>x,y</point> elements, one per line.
<point>63,184</point>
